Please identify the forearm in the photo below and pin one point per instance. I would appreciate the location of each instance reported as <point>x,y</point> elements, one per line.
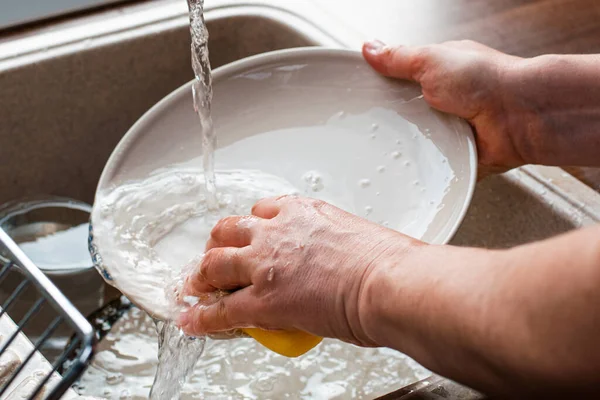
<point>523,320</point>
<point>553,115</point>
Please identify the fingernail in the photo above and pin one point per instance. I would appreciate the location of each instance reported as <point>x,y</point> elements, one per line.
<point>374,47</point>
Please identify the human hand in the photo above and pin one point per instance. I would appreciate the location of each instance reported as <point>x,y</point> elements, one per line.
<point>466,79</point>
<point>295,264</point>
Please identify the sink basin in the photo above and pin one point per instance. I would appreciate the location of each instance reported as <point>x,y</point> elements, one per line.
<point>64,108</point>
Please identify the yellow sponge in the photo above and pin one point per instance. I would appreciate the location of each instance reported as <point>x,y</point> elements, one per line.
<point>287,343</point>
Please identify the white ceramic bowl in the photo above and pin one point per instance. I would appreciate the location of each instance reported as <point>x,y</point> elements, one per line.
<point>373,144</point>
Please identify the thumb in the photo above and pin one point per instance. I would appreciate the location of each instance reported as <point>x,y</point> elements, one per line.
<point>400,62</point>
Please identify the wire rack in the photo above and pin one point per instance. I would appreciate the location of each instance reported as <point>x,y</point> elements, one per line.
<point>39,330</point>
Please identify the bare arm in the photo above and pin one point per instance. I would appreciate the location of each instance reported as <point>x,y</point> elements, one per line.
<point>560,97</point>
<point>524,320</point>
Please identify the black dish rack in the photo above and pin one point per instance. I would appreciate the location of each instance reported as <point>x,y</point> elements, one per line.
<point>45,320</point>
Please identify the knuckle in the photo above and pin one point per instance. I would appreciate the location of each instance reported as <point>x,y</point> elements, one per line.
<point>198,325</point>
<point>423,53</point>
<point>317,203</point>
<point>209,261</point>
<point>286,198</point>
<point>255,206</point>
<point>418,62</point>
<point>222,225</point>
<point>216,230</point>
<point>454,43</point>
<point>222,312</point>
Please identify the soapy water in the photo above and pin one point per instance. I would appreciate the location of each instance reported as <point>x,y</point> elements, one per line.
<point>126,362</point>
<point>147,231</point>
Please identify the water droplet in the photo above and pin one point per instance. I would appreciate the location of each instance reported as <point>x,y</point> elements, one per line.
<point>444,161</point>
<point>271,274</point>
<point>373,136</point>
<point>398,141</point>
<point>385,223</point>
<point>125,395</point>
<point>114,378</point>
<point>381,169</point>
<point>377,193</point>
<point>265,383</point>
<point>374,127</point>
<point>187,179</point>
<point>368,210</point>
<point>341,115</point>
<point>406,163</point>
<point>396,155</point>
<point>364,183</point>
<point>314,181</point>
<point>431,202</point>
<point>416,183</point>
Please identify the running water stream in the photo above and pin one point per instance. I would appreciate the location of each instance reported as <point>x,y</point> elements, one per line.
<point>202,93</point>
<point>177,352</point>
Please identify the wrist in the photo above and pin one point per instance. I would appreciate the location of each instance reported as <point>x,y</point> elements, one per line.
<point>522,123</point>
<point>550,106</point>
<point>436,304</point>
<point>392,294</point>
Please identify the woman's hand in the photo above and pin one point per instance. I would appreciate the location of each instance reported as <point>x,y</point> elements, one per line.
<point>296,263</point>
<point>463,78</point>
<point>542,110</point>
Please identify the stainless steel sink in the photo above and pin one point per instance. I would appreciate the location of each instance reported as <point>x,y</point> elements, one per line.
<point>65,106</point>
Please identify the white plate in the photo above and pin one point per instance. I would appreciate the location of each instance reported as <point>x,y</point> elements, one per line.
<point>380,151</point>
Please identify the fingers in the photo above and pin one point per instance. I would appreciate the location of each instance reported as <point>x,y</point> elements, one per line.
<point>268,208</point>
<point>229,312</point>
<point>402,62</point>
<point>234,231</point>
<point>225,268</point>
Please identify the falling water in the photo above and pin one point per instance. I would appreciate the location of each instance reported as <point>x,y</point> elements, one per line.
<point>177,352</point>
<point>177,355</point>
<point>202,93</point>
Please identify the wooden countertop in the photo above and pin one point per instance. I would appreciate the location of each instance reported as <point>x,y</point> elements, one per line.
<point>520,27</point>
